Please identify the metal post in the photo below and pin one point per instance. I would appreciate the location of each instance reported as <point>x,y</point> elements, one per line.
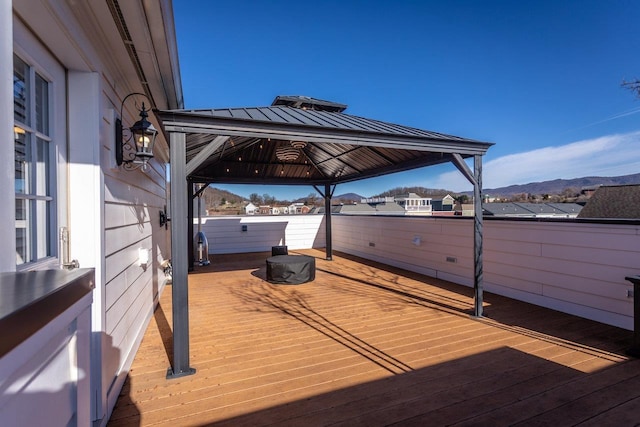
<point>190,225</point>
<point>327,221</point>
<point>179,257</point>
<point>477,235</point>
<point>634,350</point>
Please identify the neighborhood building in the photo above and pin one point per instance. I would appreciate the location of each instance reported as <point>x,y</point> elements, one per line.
<point>250,209</point>
<point>414,204</point>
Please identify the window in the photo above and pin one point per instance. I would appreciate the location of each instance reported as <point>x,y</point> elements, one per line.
<point>35,231</point>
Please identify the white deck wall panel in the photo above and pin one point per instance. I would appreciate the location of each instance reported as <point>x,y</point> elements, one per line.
<point>578,268</point>
<point>225,235</point>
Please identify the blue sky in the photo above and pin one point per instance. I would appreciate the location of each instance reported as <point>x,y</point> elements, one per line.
<point>540,79</point>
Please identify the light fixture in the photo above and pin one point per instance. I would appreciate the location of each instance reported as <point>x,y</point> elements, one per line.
<point>298,144</point>
<point>134,150</point>
<point>287,153</point>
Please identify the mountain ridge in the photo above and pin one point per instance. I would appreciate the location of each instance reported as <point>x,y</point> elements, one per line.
<point>216,197</point>
<point>557,186</point>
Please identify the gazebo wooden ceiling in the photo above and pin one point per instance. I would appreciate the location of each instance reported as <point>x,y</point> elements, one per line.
<point>295,141</point>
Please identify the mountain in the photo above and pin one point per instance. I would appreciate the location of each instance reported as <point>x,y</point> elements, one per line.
<point>558,186</point>
<point>213,196</point>
<point>420,191</point>
<point>348,197</point>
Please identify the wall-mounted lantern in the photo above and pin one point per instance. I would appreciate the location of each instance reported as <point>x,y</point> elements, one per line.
<point>134,146</point>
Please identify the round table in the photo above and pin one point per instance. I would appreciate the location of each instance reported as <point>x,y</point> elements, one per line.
<point>291,269</point>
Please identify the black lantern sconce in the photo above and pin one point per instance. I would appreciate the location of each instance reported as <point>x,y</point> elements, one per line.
<point>134,146</point>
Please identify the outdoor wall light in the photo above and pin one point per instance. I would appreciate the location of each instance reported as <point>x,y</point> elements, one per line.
<point>134,146</point>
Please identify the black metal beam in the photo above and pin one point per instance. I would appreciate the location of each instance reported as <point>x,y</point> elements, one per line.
<point>179,257</point>
<point>475,178</point>
<point>186,122</point>
<point>634,350</point>
<point>327,194</point>
<point>477,236</point>
<point>327,221</point>
<point>190,196</point>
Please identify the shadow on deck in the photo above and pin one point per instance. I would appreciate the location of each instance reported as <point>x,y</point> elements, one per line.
<point>368,344</point>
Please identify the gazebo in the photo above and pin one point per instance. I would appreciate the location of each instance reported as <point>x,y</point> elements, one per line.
<point>295,141</point>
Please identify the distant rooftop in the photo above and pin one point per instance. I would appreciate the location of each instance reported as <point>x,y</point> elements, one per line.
<point>614,201</point>
<point>308,103</point>
<point>531,209</point>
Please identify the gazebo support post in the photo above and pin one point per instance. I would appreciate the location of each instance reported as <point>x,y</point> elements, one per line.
<point>475,178</point>
<point>327,195</point>
<point>179,257</point>
<point>190,225</point>
<point>477,236</point>
<point>327,221</point>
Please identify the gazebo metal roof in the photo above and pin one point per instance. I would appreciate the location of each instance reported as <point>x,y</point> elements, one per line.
<point>333,147</point>
<point>297,140</point>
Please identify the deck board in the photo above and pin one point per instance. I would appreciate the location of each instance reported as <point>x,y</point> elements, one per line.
<point>367,344</point>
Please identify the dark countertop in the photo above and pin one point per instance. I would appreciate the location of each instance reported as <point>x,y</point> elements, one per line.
<point>29,300</point>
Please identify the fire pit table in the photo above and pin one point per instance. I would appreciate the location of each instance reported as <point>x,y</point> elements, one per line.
<point>291,269</point>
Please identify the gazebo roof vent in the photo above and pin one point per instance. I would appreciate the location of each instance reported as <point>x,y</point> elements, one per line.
<point>308,103</point>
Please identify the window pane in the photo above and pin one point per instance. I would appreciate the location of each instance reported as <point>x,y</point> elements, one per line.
<point>22,239</point>
<point>42,168</point>
<point>42,229</point>
<point>42,105</point>
<point>22,154</point>
<point>20,91</point>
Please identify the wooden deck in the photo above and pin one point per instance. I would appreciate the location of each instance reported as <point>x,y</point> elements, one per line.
<point>369,345</point>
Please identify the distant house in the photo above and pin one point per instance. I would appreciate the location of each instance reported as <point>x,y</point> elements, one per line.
<point>414,204</point>
<point>298,208</point>
<point>404,204</point>
<point>532,210</point>
<point>250,209</point>
<point>443,204</point>
<point>614,201</point>
<point>264,210</point>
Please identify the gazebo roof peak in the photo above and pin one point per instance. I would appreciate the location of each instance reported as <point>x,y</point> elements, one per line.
<point>308,103</point>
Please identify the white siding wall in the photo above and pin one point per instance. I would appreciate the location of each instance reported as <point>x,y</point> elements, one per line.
<point>225,235</point>
<point>132,202</point>
<point>578,268</point>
